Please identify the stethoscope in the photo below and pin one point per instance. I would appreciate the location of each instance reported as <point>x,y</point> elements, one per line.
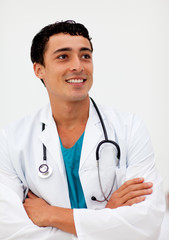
<point>45,169</point>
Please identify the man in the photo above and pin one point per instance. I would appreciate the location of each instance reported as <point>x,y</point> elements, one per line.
<point>52,186</point>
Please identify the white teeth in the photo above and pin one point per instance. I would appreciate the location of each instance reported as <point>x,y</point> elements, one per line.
<point>75,80</point>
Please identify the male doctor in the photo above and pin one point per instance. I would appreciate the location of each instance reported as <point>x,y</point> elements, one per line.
<point>51,184</point>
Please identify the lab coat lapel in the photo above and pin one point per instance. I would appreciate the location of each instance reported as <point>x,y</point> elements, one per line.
<point>92,136</point>
<point>49,137</point>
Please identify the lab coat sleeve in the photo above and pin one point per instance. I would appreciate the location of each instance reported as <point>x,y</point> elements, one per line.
<point>141,221</point>
<point>14,222</point>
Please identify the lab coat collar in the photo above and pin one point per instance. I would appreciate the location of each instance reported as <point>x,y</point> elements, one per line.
<point>47,118</point>
<point>46,115</point>
<point>50,138</point>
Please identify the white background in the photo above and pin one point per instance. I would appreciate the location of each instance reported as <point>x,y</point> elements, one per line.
<point>131,57</point>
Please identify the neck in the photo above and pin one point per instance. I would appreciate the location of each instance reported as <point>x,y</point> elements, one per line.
<point>69,115</point>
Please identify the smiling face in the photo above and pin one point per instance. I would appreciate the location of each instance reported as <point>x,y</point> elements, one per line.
<point>68,67</point>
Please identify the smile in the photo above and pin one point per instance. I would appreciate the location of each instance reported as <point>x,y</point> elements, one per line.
<point>76,80</point>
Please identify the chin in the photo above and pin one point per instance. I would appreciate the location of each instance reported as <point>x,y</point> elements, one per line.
<point>79,98</point>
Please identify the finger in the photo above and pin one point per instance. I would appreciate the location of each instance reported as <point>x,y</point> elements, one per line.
<point>134,201</point>
<point>136,187</point>
<point>135,194</point>
<point>131,182</point>
<point>31,195</point>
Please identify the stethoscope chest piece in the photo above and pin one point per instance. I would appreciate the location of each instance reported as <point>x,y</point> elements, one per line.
<point>44,170</point>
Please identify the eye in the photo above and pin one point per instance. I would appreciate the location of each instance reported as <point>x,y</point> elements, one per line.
<point>62,57</point>
<point>86,56</point>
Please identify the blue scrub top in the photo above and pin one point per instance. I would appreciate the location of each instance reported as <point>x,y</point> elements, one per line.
<point>71,157</point>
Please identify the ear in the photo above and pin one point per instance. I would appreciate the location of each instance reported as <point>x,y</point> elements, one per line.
<point>39,70</point>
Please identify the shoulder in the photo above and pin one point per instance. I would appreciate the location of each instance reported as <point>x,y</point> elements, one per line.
<point>119,118</point>
<point>127,126</point>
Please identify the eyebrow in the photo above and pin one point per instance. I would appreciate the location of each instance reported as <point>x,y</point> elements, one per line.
<point>70,49</point>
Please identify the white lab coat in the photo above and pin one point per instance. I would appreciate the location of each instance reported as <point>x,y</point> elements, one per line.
<point>21,153</point>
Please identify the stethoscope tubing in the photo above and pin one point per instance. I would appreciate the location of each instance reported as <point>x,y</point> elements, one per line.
<point>106,140</point>
<point>44,148</point>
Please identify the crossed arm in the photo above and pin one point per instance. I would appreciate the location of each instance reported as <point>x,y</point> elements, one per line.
<point>44,215</point>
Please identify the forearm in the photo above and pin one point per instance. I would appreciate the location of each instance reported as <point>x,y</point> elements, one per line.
<point>123,223</point>
<point>61,218</point>
<point>127,221</point>
<point>15,224</point>
<point>44,215</point>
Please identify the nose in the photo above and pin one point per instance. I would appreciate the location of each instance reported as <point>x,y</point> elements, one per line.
<point>76,64</point>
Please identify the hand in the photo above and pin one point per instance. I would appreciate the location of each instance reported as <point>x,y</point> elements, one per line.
<point>37,209</point>
<point>131,192</point>
<point>44,215</point>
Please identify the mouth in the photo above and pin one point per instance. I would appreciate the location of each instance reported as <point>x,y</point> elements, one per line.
<point>75,80</point>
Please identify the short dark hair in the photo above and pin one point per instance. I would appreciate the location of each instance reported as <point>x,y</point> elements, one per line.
<point>41,39</point>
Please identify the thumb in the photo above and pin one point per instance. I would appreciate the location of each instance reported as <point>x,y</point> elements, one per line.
<point>31,195</point>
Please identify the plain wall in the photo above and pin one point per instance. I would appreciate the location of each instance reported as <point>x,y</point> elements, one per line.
<point>131,59</point>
